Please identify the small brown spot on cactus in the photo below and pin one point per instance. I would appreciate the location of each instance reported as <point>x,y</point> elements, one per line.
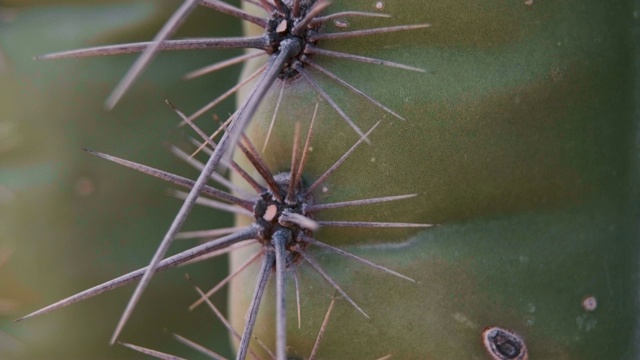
<point>589,303</point>
<point>502,344</point>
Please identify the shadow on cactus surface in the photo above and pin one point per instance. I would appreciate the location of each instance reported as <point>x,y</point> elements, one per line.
<point>519,140</point>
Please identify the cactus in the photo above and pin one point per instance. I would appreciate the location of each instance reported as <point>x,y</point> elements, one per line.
<point>519,141</point>
<point>520,170</point>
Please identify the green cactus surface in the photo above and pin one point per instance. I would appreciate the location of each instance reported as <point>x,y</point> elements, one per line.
<point>520,141</point>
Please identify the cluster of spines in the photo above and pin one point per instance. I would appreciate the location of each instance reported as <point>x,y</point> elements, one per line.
<point>293,52</point>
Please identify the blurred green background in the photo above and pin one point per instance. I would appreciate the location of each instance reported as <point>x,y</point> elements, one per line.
<point>68,220</point>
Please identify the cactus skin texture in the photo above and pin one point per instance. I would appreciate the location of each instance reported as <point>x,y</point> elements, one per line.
<point>521,143</point>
